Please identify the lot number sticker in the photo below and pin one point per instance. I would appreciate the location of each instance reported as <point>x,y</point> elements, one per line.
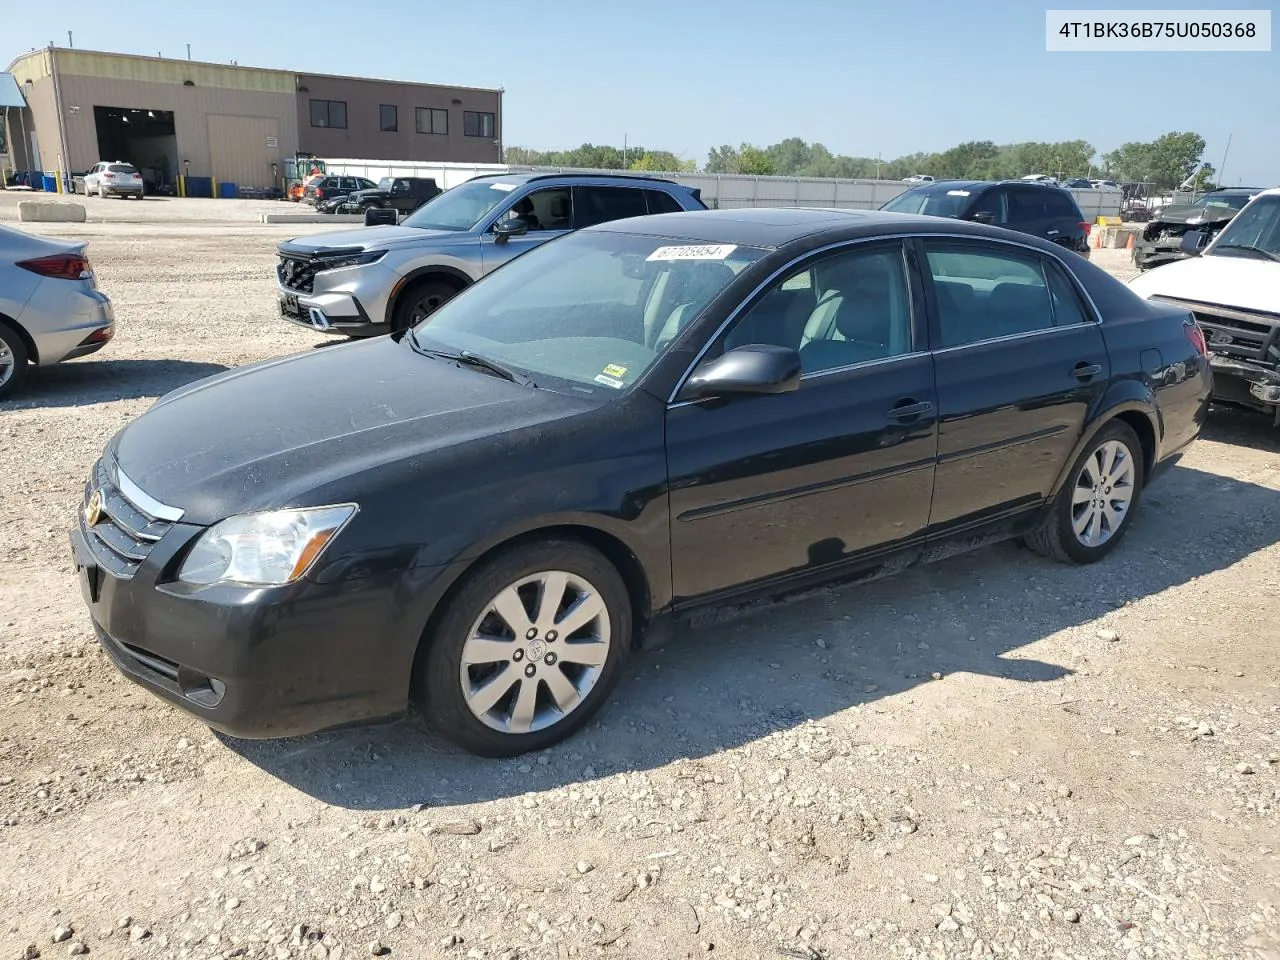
<point>706,251</point>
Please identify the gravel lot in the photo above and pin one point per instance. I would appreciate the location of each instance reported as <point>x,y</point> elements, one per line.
<point>993,756</point>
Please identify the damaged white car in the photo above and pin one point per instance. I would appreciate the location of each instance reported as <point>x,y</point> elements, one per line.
<point>1232,286</point>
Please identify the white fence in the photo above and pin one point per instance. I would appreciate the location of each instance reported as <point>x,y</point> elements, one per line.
<point>718,190</point>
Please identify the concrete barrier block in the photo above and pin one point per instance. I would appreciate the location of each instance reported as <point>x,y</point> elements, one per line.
<point>313,218</point>
<point>46,211</point>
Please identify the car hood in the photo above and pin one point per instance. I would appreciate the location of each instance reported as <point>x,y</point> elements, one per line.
<point>1186,213</point>
<point>268,435</point>
<point>1242,282</point>
<point>371,238</point>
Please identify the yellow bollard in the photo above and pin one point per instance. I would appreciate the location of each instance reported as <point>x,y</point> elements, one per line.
<point>213,188</point>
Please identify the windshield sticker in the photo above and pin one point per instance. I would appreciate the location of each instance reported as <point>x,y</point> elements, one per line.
<point>615,370</point>
<point>609,381</point>
<point>957,193</point>
<point>704,251</point>
<point>504,187</point>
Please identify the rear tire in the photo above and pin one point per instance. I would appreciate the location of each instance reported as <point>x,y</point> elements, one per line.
<point>498,689</point>
<point>420,301</point>
<point>1094,508</point>
<point>14,360</point>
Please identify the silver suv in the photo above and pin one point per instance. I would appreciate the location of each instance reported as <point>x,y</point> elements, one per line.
<point>377,280</point>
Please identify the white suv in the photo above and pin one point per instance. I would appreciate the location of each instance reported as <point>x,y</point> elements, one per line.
<point>113,180</point>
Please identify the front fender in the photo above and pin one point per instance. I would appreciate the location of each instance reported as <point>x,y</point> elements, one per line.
<point>1123,397</point>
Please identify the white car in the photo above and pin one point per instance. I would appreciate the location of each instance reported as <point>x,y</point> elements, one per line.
<point>1233,288</point>
<point>918,178</point>
<point>114,179</point>
<point>1109,186</point>
<point>1038,178</point>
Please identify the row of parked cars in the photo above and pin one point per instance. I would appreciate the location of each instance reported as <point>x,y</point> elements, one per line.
<point>662,409</point>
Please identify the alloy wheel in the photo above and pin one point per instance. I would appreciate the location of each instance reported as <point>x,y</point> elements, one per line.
<point>425,307</point>
<point>535,652</point>
<point>7,363</point>
<point>1103,494</point>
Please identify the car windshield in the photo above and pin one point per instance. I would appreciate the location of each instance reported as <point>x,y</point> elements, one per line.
<point>588,313</point>
<point>931,201</point>
<point>462,207</point>
<point>1257,227</point>
<point>1234,201</point>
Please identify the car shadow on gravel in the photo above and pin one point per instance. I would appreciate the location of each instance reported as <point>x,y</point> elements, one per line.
<point>729,684</point>
<point>84,382</point>
<point>1246,428</point>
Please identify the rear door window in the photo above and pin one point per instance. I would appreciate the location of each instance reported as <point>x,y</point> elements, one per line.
<point>594,205</point>
<point>984,292</point>
<point>1026,205</point>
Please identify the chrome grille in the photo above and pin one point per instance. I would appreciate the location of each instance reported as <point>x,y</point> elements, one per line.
<point>1242,334</point>
<point>125,534</point>
<point>295,273</point>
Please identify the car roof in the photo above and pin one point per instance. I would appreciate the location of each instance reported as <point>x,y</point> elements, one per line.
<point>774,227</point>
<point>974,184</point>
<point>1241,190</point>
<point>523,178</point>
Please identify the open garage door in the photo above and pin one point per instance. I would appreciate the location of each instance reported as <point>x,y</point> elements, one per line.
<point>242,149</point>
<point>142,137</point>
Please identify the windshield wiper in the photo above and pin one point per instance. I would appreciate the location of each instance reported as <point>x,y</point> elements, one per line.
<point>1245,246</point>
<point>466,357</point>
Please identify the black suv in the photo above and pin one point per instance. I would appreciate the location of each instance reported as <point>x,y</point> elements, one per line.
<point>402,194</point>
<point>1040,209</point>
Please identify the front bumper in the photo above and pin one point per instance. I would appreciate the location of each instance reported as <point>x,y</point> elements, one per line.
<point>251,662</point>
<point>1149,253</point>
<point>1251,385</point>
<point>351,301</point>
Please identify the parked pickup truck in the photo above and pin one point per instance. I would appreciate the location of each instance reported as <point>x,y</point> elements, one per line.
<point>402,194</point>
<point>1232,285</point>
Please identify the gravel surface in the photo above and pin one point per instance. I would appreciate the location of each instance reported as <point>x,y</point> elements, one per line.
<point>994,756</point>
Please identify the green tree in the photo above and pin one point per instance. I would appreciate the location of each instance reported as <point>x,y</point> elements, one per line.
<point>756,162</point>
<point>1166,161</point>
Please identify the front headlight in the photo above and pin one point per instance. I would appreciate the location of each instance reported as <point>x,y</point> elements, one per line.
<point>355,260</point>
<point>264,549</point>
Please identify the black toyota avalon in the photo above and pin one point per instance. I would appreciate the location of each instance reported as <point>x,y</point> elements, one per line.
<point>487,515</point>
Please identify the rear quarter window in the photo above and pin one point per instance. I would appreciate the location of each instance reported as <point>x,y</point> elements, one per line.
<point>1059,204</point>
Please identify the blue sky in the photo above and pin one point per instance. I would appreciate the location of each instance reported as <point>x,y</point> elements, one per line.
<point>885,78</point>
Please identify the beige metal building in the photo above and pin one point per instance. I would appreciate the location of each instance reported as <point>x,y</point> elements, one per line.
<point>236,124</point>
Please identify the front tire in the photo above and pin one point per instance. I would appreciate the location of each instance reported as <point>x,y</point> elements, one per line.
<point>14,361</point>
<point>1094,508</point>
<point>419,302</point>
<point>527,650</point>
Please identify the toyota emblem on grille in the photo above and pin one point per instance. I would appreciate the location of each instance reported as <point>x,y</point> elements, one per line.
<point>93,509</point>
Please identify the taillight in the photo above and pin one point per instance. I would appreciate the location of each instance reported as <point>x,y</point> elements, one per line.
<point>1196,336</point>
<point>1087,227</point>
<point>60,266</point>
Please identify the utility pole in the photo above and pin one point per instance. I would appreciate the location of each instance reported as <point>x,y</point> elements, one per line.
<point>188,51</point>
<point>69,43</point>
<point>1224,161</point>
<point>878,162</point>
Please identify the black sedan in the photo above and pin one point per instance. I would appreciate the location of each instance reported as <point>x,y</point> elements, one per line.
<point>626,424</point>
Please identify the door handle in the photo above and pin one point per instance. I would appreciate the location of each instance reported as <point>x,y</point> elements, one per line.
<point>1085,371</point>
<point>909,410</point>
<point>1051,233</point>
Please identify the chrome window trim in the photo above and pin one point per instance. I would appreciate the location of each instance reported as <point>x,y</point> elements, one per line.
<point>144,501</point>
<point>1006,338</point>
<point>860,365</point>
<point>1095,315</point>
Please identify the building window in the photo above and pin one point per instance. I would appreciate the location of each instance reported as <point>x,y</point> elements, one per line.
<point>388,118</point>
<point>329,113</point>
<point>431,120</point>
<point>477,124</point>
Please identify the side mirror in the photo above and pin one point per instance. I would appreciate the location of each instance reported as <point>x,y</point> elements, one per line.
<point>374,216</point>
<point>1192,242</point>
<point>504,230</point>
<point>983,216</point>
<point>753,369</point>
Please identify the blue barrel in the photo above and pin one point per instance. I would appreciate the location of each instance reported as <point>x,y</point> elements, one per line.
<point>228,191</point>
<point>200,187</point>
<point>49,184</point>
